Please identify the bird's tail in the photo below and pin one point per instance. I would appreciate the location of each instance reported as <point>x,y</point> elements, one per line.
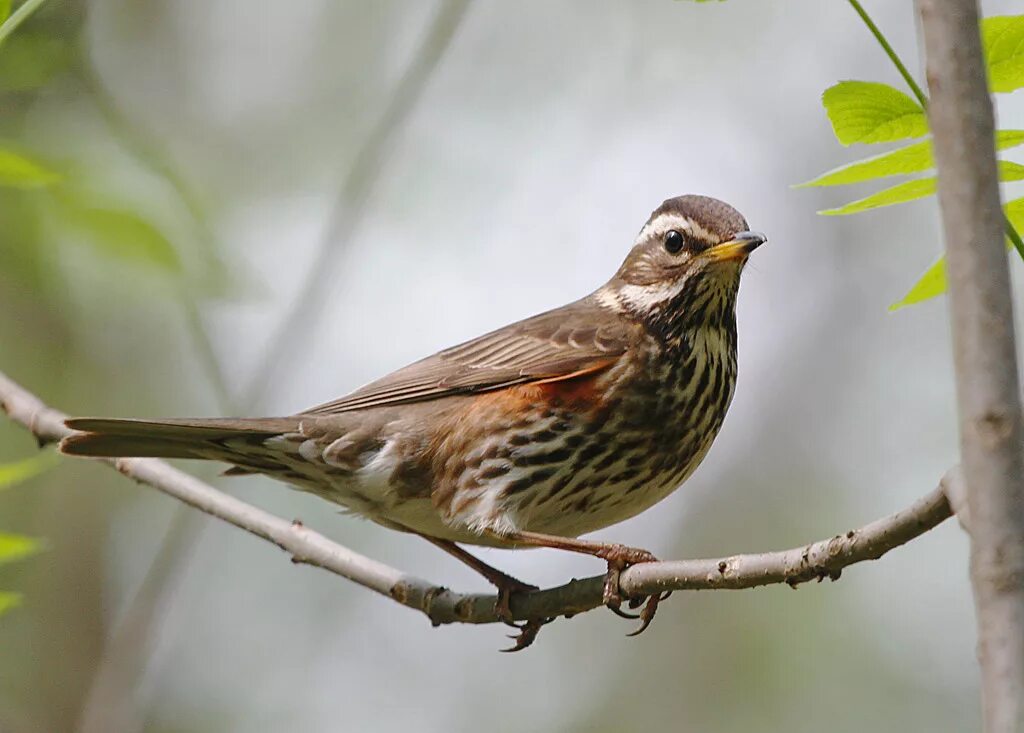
<point>208,438</point>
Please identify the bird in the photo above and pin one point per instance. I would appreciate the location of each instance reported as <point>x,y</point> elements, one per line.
<point>531,435</point>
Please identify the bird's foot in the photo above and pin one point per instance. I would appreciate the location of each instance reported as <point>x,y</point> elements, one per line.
<point>620,557</point>
<point>528,631</point>
<point>507,585</point>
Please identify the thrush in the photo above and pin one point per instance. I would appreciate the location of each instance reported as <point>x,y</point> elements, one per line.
<point>528,436</point>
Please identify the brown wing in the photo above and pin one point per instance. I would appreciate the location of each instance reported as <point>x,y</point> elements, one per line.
<point>576,339</point>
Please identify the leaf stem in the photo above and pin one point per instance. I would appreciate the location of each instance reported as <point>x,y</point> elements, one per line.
<point>922,98</point>
<point>890,52</point>
<point>18,17</point>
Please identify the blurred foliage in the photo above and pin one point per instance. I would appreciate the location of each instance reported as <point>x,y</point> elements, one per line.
<point>19,171</point>
<point>51,199</point>
<point>119,233</point>
<point>11,21</point>
<point>31,60</point>
<point>16,472</point>
<point>100,235</point>
<point>14,547</point>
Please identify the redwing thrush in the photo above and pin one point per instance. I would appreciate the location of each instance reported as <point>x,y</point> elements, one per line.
<point>530,435</point>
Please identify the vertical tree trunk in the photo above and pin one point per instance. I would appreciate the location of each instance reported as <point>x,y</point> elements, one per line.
<point>983,343</point>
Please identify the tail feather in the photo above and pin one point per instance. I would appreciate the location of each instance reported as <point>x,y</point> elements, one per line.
<point>174,438</point>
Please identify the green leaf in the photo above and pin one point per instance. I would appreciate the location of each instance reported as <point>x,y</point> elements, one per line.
<point>17,171</point>
<point>1015,213</point>
<point>9,601</point>
<point>17,547</point>
<point>122,234</point>
<point>912,158</point>
<point>933,281</point>
<point>15,473</point>
<point>869,112</point>
<point>911,190</point>
<point>898,194</point>
<point>5,9</point>
<point>1003,39</point>
<point>929,285</point>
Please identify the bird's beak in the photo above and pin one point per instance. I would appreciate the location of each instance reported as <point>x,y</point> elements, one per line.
<point>736,248</point>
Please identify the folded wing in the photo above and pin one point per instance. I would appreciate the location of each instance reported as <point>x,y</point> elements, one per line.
<point>567,342</point>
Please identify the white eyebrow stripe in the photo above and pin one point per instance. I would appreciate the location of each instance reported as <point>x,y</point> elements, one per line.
<point>664,223</point>
<point>703,234</point>
<point>668,221</point>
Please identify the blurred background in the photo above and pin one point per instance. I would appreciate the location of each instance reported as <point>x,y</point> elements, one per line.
<point>264,205</point>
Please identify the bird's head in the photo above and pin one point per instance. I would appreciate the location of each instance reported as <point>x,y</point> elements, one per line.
<point>686,262</point>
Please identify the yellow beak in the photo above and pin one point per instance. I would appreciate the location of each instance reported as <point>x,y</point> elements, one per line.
<point>737,248</point>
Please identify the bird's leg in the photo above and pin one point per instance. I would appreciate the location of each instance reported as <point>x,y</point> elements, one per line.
<point>619,557</point>
<point>506,584</point>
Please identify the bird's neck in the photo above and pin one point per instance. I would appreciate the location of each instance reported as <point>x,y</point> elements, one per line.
<point>706,306</point>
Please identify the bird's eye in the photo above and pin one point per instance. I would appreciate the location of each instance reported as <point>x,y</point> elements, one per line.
<point>674,242</point>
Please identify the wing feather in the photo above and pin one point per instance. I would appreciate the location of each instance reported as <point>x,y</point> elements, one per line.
<point>559,344</point>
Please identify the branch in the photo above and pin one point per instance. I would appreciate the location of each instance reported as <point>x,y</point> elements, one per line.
<point>816,561</point>
<point>981,314</point>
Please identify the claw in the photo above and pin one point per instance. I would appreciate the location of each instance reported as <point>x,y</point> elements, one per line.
<point>527,633</point>
<point>647,614</point>
<point>619,558</point>
<point>623,614</point>
<point>528,629</point>
<point>502,607</point>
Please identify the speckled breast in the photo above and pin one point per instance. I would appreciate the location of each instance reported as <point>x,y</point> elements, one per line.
<point>574,456</point>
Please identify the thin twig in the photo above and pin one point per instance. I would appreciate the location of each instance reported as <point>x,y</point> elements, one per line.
<point>981,316</point>
<point>816,561</point>
<point>18,17</point>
